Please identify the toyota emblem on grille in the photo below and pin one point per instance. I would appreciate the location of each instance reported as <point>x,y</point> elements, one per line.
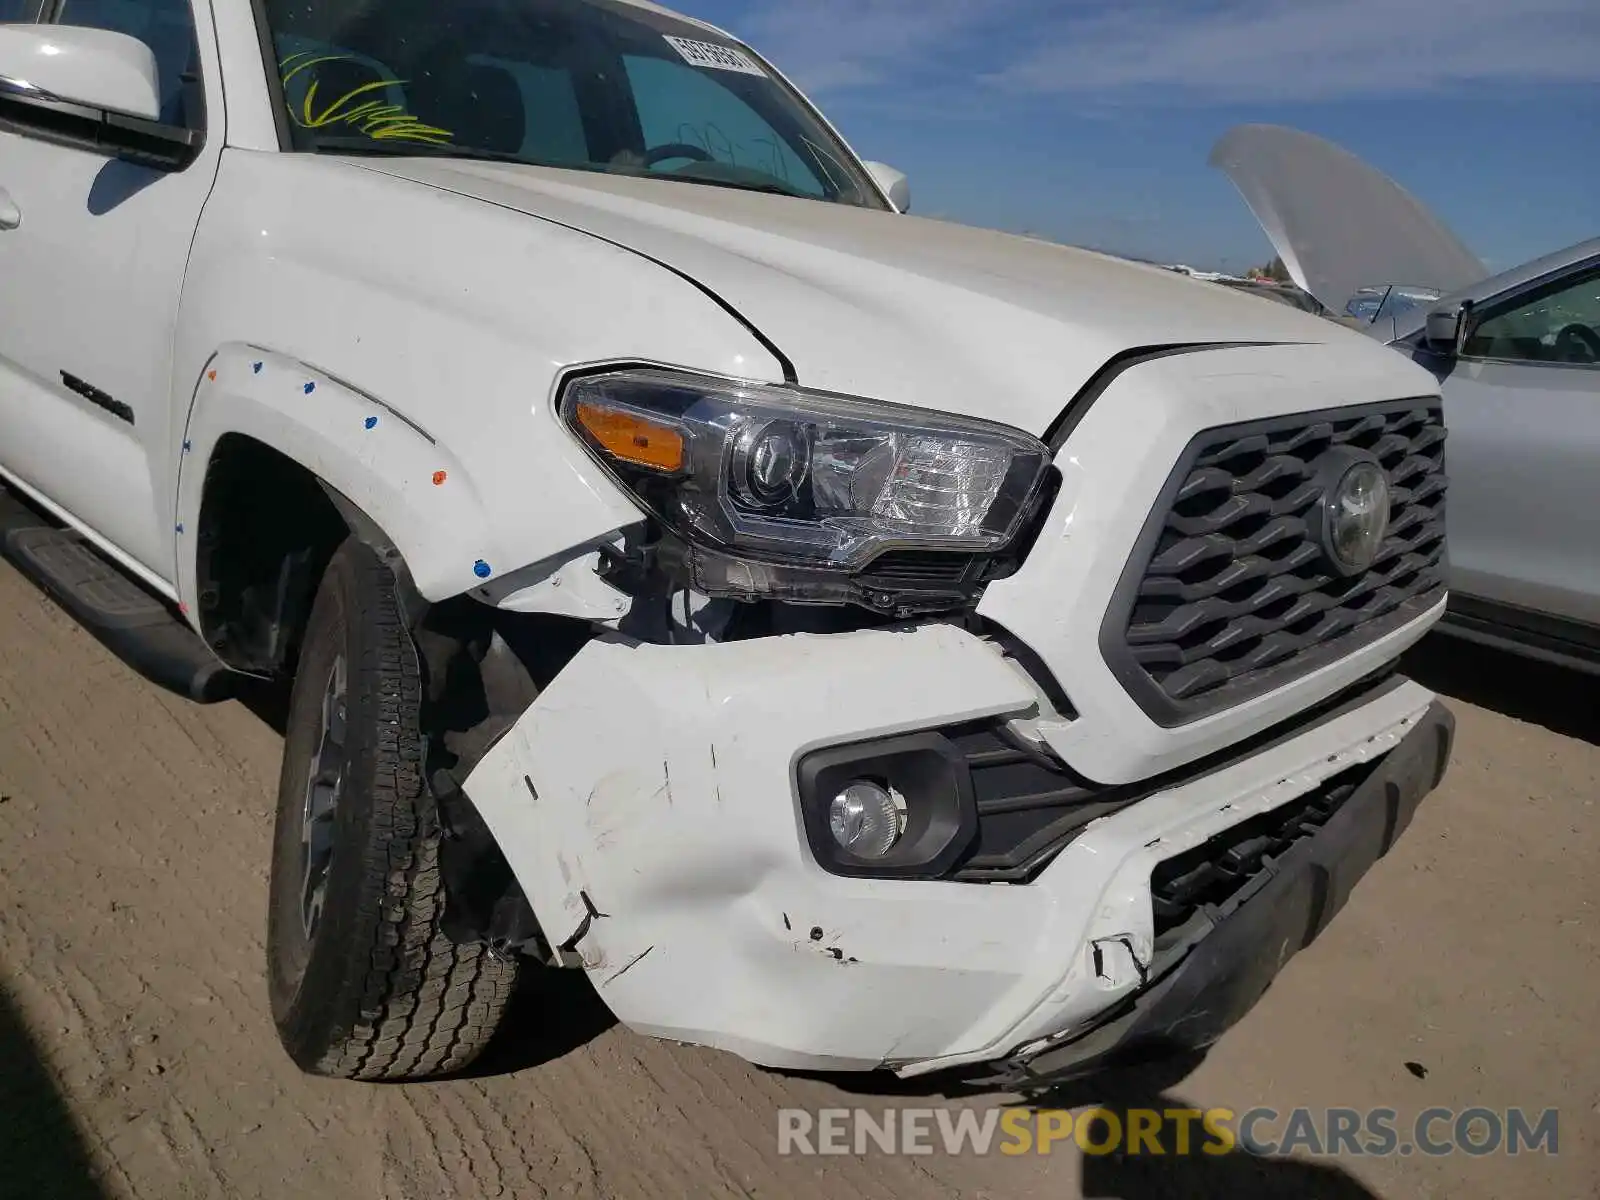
<point>1354,509</point>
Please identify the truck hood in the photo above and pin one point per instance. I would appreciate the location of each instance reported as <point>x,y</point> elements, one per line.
<point>894,307</point>
<point>1338,224</point>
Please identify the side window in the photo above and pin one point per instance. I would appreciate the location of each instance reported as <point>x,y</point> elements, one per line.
<point>1559,323</point>
<point>13,12</point>
<point>679,105</point>
<point>167,27</point>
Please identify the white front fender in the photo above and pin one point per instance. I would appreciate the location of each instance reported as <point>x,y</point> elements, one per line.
<point>414,488</point>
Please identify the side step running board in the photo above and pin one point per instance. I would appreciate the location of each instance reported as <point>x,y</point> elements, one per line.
<point>129,620</point>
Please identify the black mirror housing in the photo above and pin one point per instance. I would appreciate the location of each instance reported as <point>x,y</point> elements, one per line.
<point>101,131</point>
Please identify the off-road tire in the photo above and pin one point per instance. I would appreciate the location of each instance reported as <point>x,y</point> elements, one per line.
<point>377,992</point>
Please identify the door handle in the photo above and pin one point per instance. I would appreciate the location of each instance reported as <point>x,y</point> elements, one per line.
<point>10,214</point>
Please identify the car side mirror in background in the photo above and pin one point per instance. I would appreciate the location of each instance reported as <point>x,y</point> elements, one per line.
<point>90,87</point>
<point>1447,328</point>
<point>894,184</point>
<point>1440,334</point>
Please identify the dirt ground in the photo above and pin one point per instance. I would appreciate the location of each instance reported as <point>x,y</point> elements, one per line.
<point>137,1056</point>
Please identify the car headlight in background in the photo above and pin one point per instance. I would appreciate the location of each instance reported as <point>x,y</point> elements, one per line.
<point>783,492</point>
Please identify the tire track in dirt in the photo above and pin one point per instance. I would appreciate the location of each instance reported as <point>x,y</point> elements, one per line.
<point>127,906</point>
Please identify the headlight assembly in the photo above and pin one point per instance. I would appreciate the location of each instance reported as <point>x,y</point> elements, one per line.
<point>782,492</point>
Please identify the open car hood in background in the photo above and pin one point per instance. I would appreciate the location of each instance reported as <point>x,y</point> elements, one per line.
<point>1338,224</point>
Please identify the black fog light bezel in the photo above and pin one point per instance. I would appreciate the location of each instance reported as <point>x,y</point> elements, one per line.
<point>927,770</point>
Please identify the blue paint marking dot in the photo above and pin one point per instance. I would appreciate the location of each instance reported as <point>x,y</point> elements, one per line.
<point>255,367</point>
<point>309,388</point>
<point>481,569</point>
<point>187,447</point>
<point>179,528</point>
<point>371,422</point>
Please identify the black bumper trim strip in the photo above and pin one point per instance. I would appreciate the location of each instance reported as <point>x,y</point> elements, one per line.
<point>1209,984</point>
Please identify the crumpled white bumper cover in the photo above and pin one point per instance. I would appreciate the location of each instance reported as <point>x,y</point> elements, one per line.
<point>647,803</point>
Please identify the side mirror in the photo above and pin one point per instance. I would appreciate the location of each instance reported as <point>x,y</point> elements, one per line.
<point>1440,333</point>
<point>1465,327</point>
<point>91,88</point>
<point>69,64</point>
<point>1448,329</point>
<point>894,184</point>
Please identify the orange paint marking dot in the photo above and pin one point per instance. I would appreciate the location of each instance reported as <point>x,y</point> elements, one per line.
<point>211,375</point>
<point>438,478</point>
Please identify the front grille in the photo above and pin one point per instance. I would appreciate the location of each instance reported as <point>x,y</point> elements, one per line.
<point>1229,593</point>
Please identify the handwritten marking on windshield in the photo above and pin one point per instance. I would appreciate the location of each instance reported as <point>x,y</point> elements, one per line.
<point>372,117</point>
<point>823,160</point>
<point>756,153</point>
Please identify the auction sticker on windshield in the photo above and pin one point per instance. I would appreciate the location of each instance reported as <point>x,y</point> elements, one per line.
<point>709,54</point>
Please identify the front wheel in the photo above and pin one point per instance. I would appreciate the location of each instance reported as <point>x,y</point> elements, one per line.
<point>363,983</point>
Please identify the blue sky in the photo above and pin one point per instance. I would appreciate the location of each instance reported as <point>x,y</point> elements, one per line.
<point>1090,122</point>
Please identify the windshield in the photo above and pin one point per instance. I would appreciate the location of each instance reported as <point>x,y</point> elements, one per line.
<point>592,85</point>
<point>1402,298</point>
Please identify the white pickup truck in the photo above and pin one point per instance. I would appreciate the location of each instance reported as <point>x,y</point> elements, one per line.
<point>855,641</point>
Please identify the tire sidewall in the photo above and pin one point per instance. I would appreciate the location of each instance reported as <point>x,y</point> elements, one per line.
<point>315,1013</point>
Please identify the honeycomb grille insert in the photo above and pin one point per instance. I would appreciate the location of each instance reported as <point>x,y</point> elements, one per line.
<point>1230,593</point>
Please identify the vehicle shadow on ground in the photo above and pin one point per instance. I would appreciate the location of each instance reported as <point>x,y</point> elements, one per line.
<point>268,700</point>
<point>552,1013</point>
<point>1179,1172</point>
<point>41,1151</point>
<point>1559,699</point>
<point>1195,1174</point>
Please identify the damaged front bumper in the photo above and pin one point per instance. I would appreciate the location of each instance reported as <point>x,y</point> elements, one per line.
<point>1207,978</point>
<point>647,803</point>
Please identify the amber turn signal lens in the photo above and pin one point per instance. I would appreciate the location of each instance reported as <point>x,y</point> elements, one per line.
<point>632,439</point>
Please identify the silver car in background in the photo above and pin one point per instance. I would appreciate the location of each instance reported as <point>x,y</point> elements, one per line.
<point>1518,358</point>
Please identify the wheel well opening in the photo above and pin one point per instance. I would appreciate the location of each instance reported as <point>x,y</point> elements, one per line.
<point>266,532</point>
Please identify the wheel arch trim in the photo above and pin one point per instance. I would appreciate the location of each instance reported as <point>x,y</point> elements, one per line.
<point>398,488</point>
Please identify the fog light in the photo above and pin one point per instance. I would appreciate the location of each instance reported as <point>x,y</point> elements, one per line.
<point>892,808</point>
<point>865,820</point>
